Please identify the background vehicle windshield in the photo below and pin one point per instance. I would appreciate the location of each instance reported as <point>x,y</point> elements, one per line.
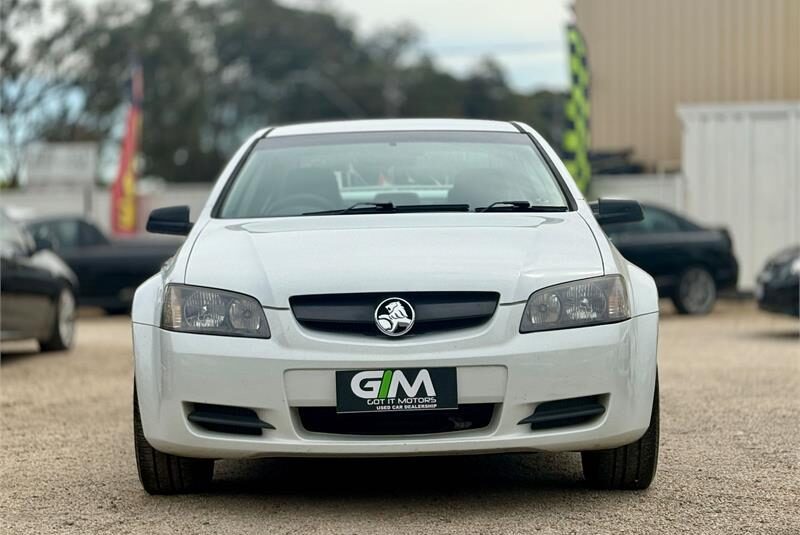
<point>294,175</point>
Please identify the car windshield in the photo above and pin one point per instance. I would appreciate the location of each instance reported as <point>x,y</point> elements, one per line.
<point>302,175</point>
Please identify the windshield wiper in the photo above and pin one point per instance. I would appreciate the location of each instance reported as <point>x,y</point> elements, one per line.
<point>520,206</point>
<point>433,208</point>
<point>390,208</point>
<point>359,208</point>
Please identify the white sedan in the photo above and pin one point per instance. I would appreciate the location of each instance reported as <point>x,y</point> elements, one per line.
<point>390,288</point>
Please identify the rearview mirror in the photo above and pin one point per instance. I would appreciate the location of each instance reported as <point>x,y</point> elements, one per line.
<point>608,211</point>
<point>170,220</point>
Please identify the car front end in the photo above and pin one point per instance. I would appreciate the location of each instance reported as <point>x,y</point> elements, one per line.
<point>288,380</point>
<point>391,331</point>
<point>778,284</point>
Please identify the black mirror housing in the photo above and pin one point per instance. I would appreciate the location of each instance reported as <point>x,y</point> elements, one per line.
<point>170,220</point>
<point>608,211</point>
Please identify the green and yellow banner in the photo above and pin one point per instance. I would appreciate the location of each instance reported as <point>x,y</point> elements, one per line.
<point>576,136</point>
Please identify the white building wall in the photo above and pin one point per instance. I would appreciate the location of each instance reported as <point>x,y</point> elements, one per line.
<point>741,163</point>
<point>41,201</point>
<point>666,190</point>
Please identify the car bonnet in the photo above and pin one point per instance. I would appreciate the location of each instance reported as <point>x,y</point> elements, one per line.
<point>274,259</point>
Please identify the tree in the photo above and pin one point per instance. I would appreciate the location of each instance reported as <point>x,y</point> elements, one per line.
<point>36,84</point>
<point>487,94</point>
<point>544,111</point>
<point>432,92</point>
<point>216,71</point>
<point>387,50</point>
<point>176,142</point>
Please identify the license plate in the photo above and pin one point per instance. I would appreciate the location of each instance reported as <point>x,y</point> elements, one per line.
<point>404,389</point>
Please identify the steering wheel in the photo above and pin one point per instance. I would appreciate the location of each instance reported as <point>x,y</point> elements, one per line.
<point>300,204</point>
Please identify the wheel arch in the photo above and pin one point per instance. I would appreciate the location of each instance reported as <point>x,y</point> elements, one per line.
<point>644,292</point>
<point>147,301</point>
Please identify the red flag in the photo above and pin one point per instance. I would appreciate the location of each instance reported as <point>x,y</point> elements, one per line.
<point>123,191</point>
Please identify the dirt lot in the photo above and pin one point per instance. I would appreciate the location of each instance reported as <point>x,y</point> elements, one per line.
<point>729,458</point>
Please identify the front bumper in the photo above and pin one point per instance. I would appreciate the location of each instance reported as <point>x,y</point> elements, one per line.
<point>495,364</point>
<point>781,296</point>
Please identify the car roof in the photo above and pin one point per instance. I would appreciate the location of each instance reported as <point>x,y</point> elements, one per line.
<point>393,125</point>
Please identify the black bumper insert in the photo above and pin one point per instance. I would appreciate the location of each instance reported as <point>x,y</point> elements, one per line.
<point>327,420</point>
<point>564,412</point>
<point>226,419</point>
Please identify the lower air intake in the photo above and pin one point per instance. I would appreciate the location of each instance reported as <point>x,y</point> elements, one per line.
<point>327,420</point>
<point>564,412</point>
<point>227,419</point>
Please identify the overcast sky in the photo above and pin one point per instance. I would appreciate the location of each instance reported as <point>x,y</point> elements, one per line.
<point>526,36</point>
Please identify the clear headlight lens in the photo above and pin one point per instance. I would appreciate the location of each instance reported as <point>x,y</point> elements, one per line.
<point>577,304</point>
<point>194,309</point>
<point>794,267</point>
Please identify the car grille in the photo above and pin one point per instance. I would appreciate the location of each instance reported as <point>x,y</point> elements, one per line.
<point>355,313</point>
<point>327,420</point>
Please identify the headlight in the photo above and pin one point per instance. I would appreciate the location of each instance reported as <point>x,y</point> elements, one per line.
<point>194,309</point>
<point>794,268</point>
<point>576,304</point>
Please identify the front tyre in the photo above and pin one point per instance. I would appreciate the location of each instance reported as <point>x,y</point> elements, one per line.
<point>162,473</point>
<point>629,467</point>
<point>62,332</point>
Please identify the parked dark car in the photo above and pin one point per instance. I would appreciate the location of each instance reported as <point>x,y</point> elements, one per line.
<point>778,284</point>
<point>108,270</point>
<point>37,291</point>
<point>690,263</point>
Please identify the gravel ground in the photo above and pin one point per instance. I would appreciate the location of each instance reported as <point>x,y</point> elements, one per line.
<point>729,455</point>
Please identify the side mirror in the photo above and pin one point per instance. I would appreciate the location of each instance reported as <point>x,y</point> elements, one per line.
<point>608,211</point>
<point>170,220</point>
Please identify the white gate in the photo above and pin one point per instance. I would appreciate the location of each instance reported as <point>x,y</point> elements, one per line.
<point>741,163</point>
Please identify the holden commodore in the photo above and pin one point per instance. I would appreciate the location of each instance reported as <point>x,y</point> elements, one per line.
<point>392,288</point>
